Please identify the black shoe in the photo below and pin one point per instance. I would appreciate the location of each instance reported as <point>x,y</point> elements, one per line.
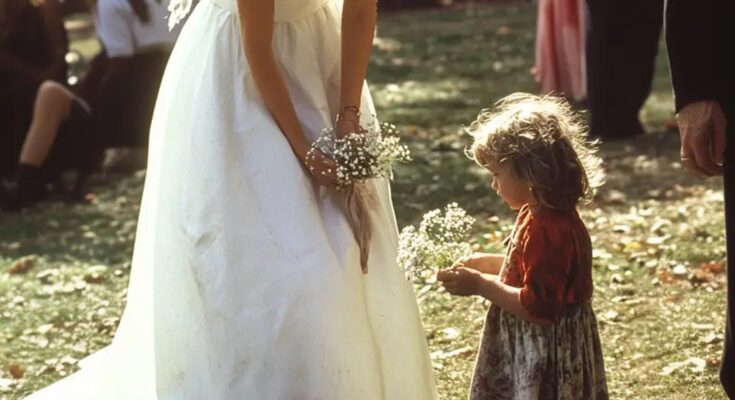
<point>26,189</point>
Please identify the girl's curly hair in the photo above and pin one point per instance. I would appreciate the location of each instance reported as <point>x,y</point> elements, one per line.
<point>544,142</point>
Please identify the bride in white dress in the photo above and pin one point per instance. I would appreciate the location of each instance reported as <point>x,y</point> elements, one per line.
<point>246,280</point>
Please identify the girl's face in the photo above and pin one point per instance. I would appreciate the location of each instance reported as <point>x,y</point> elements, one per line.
<point>513,190</point>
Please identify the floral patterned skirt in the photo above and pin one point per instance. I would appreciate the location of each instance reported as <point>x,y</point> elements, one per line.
<point>521,360</point>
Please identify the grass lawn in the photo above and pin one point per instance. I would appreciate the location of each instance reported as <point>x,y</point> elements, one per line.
<point>657,231</point>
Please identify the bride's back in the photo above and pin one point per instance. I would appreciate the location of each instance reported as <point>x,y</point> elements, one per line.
<point>285,10</point>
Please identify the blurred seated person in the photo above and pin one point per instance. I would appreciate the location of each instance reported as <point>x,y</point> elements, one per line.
<point>74,6</point>
<point>112,107</point>
<point>33,44</point>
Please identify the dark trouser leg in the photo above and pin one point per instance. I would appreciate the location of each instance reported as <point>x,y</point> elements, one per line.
<point>727,373</point>
<point>622,42</point>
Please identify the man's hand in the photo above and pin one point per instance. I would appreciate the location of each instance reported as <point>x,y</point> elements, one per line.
<point>702,127</point>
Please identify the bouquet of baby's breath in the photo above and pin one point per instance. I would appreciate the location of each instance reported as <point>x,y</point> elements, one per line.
<point>441,239</point>
<point>362,156</point>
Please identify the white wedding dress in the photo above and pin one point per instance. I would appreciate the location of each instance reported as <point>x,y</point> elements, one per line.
<point>246,280</point>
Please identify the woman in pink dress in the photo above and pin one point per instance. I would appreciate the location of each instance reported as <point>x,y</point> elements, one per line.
<point>560,48</point>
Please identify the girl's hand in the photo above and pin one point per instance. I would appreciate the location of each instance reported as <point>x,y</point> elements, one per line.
<point>471,262</point>
<point>461,281</point>
<point>482,262</point>
<point>321,168</point>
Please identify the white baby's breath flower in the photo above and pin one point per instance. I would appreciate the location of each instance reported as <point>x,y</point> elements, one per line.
<point>440,239</point>
<point>363,156</point>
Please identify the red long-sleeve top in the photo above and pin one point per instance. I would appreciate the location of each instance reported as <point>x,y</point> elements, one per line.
<point>550,259</point>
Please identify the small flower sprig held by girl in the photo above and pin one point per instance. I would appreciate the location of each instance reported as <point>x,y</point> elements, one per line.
<point>440,240</point>
<point>362,156</point>
<point>540,338</point>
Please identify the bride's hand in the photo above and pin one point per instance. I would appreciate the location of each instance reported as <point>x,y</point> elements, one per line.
<point>348,121</point>
<point>322,168</point>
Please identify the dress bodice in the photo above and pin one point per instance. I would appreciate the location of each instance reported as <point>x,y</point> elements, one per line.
<point>285,10</point>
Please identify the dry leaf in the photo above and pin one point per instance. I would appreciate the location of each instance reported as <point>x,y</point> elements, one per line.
<point>712,337</point>
<point>15,370</point>
<point>713,267</point>
<point>43,329</point>
<point>450,333</point>
<point>441,355</point>
<point>503,30</point>
<point>610,315</point>
<point>702,276</point>
<point>695,364</point>
<point>674,298</point>
<point>680,270</point>
<point>22,265</point>
<point>6,385</point>
<point>664,276</point>
<point>657,240</point>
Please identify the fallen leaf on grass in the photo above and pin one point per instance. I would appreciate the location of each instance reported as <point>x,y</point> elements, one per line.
<point>450,333</point>
<point>441,355</point>
<point>707,272</point>
<point>659,225</point>
<point>614,197</point>
<point>36,340</point>
<point>610,316</point>
<point>620,228</point>
<point>674,298</point>
<point>503,31</point>
<point>680,270</point>
<point>44,329</point>
<point>15,370</point>
<point>695,364</point>
<point>665,276</point>
<point>713,267</point>
<point>714,362</point>
<point>69,360</point>
<point>632,246</point>
<point>711,338</point>
<point>95,274</point>
<point>6,385</point>
<point>22,265</point>
<point>47,276</point>
<point>702,276</point>
<point>601,254</point>
<point>657,240</point>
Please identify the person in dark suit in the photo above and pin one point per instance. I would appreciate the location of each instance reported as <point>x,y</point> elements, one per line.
<point>700,36</point>
<point>621,46</point>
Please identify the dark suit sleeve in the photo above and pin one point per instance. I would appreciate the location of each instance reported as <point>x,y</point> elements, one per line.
<point>693,43</point>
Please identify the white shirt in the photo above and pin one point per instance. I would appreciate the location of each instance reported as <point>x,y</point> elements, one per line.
<point>123,34</point>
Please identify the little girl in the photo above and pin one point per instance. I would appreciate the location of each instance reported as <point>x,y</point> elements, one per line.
<point>540,339</point>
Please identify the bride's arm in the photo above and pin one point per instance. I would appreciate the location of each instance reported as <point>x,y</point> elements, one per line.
<point>358,28</point>
<point>256,24</point>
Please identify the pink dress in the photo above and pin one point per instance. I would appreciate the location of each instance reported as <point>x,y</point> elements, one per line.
<point>560,48</point>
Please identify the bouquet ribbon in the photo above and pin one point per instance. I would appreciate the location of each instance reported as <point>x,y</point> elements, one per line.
<point>356,202</point>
